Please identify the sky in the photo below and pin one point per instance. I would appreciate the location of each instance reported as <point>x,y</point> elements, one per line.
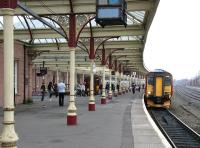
<point>173,41</point>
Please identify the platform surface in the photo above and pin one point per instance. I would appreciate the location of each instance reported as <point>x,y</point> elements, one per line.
<point>120,123</point>
<point>144,134</point>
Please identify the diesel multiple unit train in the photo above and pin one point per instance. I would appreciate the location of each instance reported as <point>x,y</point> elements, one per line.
<point>159,89</point>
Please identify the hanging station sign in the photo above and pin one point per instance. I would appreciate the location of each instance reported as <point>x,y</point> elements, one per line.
<point>111,12</point>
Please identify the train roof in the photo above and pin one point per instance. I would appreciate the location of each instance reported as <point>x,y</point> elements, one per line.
<point>159,72</point>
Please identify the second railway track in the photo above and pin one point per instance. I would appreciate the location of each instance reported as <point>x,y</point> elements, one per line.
<point>178,134</point>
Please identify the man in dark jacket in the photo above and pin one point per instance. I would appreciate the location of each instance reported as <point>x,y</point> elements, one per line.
<point>43,88</point>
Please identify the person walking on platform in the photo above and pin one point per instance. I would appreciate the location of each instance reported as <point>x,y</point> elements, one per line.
<point>118,87</point>
<point>82,90</point>
<point>50,90</point>
<point>61,93</point>
<point>133,88</point>
<point>107,87</point>
<point>139,88</point>
<point>55,88</point>
<point>43,89</point>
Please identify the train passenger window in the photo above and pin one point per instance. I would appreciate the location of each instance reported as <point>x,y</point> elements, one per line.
<point>150,80</point>
<point>167,81</point>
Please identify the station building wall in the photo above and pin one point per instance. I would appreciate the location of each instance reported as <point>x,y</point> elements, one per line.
<point>22,80</point>
<point>19,60</point>
<point>49,77</point>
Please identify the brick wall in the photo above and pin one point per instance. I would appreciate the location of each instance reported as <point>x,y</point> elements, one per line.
<point>19,57</point>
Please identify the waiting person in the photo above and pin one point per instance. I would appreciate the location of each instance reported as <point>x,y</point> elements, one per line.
<point>78,90</point>
<point>43,88</point>
<point>118,87</point>
<point>107,87</point>
<point>97,89</point>
<point>139,88</point>
<point>61,92</point>
<point>50,89</point>
<point>113,87</point>
<point>55,88</point>
<point>100,89</point>
<point>133,88</point>
<point>82,90</point>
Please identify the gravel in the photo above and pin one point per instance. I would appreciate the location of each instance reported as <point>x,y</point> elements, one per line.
<point>187,111</point>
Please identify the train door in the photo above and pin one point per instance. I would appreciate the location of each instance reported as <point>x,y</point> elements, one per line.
<point>159,86</point>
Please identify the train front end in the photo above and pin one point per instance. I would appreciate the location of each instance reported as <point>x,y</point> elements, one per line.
<point>159,89</point>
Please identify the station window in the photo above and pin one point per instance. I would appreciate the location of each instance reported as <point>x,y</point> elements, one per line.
<point>108,13</point>
<point>109,2</point>
<point>167,81</point>
<point>114,2</point>
<point>16,77</point>
<point>150,80</point>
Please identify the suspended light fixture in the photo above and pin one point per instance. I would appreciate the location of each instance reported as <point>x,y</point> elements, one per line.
<point>111,12</point>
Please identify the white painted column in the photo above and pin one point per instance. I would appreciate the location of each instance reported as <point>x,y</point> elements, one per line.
<point>120,79</point>
<point>91,105</point>
<point>110,87</point>
<point>83,78</point>
<point>57,76</point>
<point>123,89</point>
<point>67,81</point>
<point>130,82</point>
<point>71,110</point>
<point>116,92</point>
<point>103,97</point>
<point>127,83</point>
<point>8,137</point>
<point>76,78</point>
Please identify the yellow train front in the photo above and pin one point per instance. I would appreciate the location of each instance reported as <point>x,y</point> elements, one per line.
<point>159,89</point>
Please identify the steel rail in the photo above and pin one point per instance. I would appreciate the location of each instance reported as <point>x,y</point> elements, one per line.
<point>188,93</point>
<point>178,133</point>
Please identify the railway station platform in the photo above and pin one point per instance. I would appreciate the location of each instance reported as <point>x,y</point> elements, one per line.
<point>121,123</point>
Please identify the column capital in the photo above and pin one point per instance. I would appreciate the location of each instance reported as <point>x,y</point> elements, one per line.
<point>7,11</point>
<point>72,48</point>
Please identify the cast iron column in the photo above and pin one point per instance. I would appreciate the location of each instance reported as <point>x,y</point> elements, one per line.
<point>130,82</point>
<point>116,92</point>
<point>110,85</point>
<point>91,105</point>
<point>67,81</point>
<point>127,83</point>
<point>120,79</point>
<point>103,62</point>
<point>110,72</point>
<point>8,137</point>
<point>57,76</point>
<point>71,110</point>
<point>103,97</point>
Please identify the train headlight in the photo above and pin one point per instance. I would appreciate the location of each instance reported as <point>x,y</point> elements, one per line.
<point>167,94</point>
<point>149,92</point>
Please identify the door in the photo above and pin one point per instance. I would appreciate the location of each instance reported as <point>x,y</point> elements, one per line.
<point>159,86</point>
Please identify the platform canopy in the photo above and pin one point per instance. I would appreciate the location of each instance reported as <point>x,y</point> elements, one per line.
<point>50,46</point>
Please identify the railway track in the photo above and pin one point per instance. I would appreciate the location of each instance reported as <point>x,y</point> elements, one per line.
<point>178,134</point>
<point>188,92</point>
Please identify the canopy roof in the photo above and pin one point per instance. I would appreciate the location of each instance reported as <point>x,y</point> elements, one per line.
<point>51,47</point>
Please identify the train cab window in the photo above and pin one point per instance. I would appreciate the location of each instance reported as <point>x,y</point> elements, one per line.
<point>167,81</point>
<point>150,80</point>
